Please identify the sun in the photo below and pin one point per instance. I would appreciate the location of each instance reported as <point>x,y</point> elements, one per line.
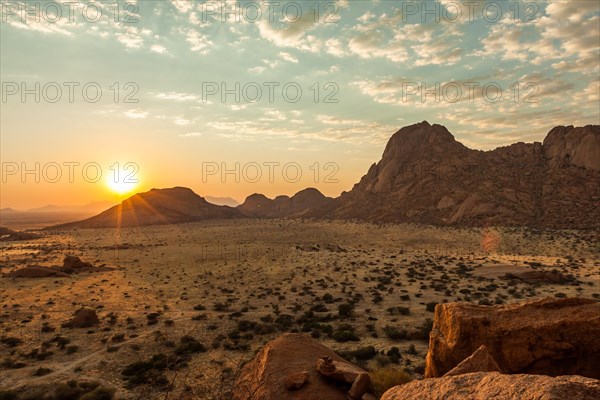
<point>122,180</point>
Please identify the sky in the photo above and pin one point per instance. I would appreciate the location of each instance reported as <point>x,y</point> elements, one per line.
<point>234,98</point>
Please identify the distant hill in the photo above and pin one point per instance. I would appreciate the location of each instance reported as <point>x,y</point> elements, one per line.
<point>258,205</point>
<point>426,176</point>
<point>222,201</point>
<point>92,208</point>
<point>5,231</point>
<point>156,207</point>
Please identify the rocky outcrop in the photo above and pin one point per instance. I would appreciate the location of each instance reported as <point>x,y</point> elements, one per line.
<point>277,372</point>
<point>567,145</point>
<point>19,236</point>
<point>35,271</point>
<point>71,265</point>
<point>426,176</point>
<point>480,361</point>
<point>496,386</point>
<point>258,205</point>
<point>84,318</point>
<point>346,373</point>
<point>548,336</point>
<point>538,277</point>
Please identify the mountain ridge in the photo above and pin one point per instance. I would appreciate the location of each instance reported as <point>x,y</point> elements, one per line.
<point>424,176</point>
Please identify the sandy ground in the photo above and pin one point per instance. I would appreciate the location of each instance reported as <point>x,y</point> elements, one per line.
<point>259,270</point>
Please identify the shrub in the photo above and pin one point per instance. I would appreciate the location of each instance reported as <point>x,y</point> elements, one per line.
<point>399,310</point>
<point>412,350</point>
<point>100,393</point>
<point>11,341</point>
<point>364,353</point>
<point>41,371</point>
<point>345,310</point>
<point>189,345</point>
<point>386,378</point>
<point>431,306</point>
<point>345,336</point>
<point>149,371</point>
<point>8,395</point>
<point>395,334</point>
<point>394,355</point>
<point>422,332</point>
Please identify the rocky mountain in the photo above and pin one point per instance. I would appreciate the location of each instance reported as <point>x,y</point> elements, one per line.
<point>156,207</point>
<point>426,176</point>
<point>222,201</point>
<point>258,205</point>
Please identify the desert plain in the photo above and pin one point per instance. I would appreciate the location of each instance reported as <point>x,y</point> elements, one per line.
<point>201,299</point>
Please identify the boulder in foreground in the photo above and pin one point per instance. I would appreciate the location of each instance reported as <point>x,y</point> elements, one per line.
<point>547,337</point>
<point>496,386</point>
<point>480,361</point>
<point>280,362</point>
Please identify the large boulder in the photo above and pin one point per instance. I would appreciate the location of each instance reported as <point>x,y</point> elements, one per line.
<point>496,386</point>
<point>480,361</point>
<point>548,337</point>
<point>281,362</point>
<point>84,318</point>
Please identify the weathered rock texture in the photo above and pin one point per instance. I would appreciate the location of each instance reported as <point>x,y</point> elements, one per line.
<point>276,364</point>
<point>549,337</point>
<point>480,361</point>
<point>346,373</point>
<point>84,318</point>
<point>495,386</point>
<point>426,176</point>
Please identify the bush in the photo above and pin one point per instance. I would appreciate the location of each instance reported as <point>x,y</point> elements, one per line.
<point>189,345</point>
<point>41,371</point>
<point>386,378</point>
<point>8,395</point>
<point>399,310</point>
<point>394,355</point>
<point>431,306</point>
<point>100,393</point>
<point>148,371</point>
<point>364,353</point>
<point>345,336</point>
<point>395,334</point>
<point>11,341</point>
<point>345,310</point>
<point>422,332</point>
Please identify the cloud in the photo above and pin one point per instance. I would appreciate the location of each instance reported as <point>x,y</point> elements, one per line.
<point>335,47</point>
<point>183,6</point>
<point>182,121</point>
<point>292,34</point>
<point>175,96</point>
<point>199,42</point>
<point>373,44</point>
<point>130,37</point>
<point>288,57</point>
<point>191,134</point>
<point>136,114</point>
<point>259,69</point>
<point>156,48</point>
